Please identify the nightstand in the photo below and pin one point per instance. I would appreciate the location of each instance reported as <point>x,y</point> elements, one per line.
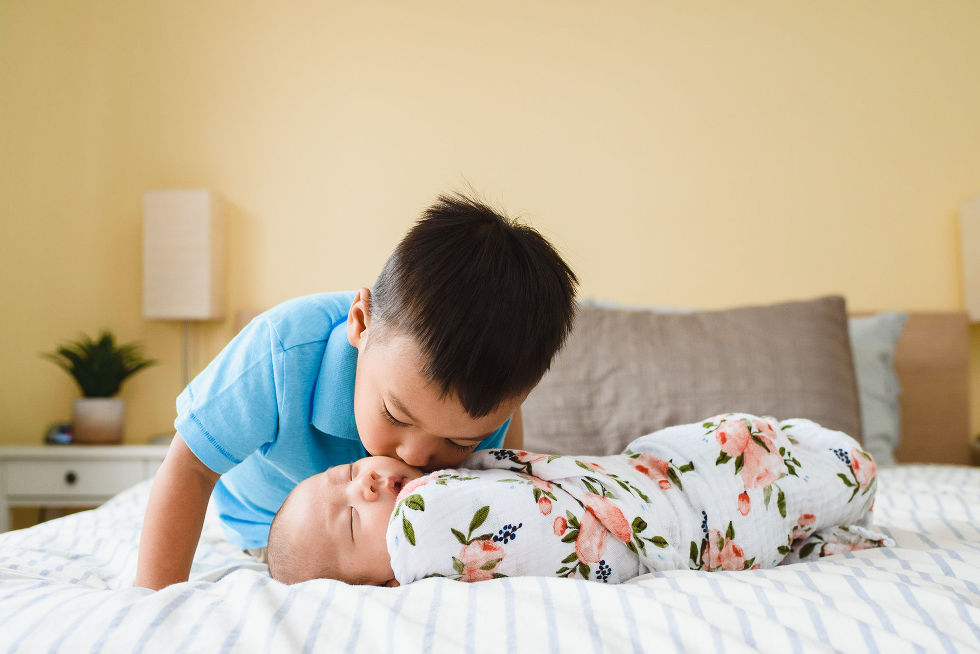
<point>71,475</point>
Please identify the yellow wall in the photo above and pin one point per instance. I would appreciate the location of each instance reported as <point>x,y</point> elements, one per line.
<point>682,153</point>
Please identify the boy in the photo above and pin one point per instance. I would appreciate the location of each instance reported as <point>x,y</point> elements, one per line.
<point>733,492</point>
<point>430,365</point>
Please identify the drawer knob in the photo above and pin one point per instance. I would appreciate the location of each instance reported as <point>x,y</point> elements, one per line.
<point>70,477</point>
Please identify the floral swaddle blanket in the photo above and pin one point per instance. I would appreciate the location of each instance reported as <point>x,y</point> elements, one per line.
<point>733,492</point>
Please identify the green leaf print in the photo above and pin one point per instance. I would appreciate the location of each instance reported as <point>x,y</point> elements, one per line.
<point>722,459</point>
<point>659,541</point>
<point>408,530</point>
<point>415,502</point>
<point>584,570</point>
<point>807,549</point>
<point>847,482</point>
<point>571,557</point>
<point>459,536</point>
<point>457,566</point>
<point>739,462</point>
<point>730,532</point>
<point>479,517</point>
<point>781,502</point>
<point>639,524</point>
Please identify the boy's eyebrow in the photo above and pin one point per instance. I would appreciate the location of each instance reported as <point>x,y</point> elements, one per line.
<point>401,407</point>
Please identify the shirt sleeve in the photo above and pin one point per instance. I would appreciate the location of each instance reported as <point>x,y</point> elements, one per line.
<point>232,408</point>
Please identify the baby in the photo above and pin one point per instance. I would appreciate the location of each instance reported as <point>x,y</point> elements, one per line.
<point>732,492</point>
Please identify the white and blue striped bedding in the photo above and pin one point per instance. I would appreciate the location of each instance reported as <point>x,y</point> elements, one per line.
<point>65,587</point>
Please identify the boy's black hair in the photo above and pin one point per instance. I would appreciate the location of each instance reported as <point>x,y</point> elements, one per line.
<point>488,301</point>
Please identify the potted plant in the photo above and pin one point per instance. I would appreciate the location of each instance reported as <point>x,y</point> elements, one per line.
<point>99,367</point>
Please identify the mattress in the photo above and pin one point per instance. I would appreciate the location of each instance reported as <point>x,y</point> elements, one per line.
<point>65,586</point>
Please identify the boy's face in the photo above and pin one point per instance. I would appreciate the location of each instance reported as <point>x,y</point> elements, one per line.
<point>341,516</point>
<point>399,413</point>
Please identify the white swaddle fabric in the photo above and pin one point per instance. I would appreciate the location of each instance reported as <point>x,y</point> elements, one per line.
<point>732,492</point>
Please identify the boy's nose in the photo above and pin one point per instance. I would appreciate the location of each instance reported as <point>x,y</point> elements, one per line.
<point>416,452</point>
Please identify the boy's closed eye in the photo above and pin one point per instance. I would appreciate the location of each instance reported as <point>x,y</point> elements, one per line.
<point>462,445</point>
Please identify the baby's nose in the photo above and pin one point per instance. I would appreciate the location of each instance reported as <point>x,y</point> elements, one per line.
<point>371,486</point>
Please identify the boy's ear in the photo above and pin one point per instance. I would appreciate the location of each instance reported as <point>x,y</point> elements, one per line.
<point>359,318</point>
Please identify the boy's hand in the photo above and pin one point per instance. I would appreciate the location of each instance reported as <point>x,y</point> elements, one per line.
<point>174,518</point>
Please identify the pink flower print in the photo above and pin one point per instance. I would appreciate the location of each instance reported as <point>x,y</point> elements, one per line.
<point>544,505</point>
<point>733,436</point>
<point>803,525</point>
<point>410,487</point>
<point>609,515</point>
<point>538,483</point>
<point>560,526</point>
<point>836,548</point>
<point>595,466</point>
<point>591,540</point>
<point>530,457</point>
<point>765,428</point>
<point>728,557</point>
<point>654,468</point>
<point>864,467</point>
<point>744,504</point>
<point>479,559</point>
<point>759,467</point>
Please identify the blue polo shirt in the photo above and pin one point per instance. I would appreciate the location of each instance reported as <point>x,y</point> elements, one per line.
<point>274,407</point>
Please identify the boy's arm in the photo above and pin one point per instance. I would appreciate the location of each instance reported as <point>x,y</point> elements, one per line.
<point>174,518</point>
<point>514,438</point>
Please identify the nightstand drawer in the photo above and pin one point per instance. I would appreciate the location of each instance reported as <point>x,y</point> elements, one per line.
<point>71,478</point>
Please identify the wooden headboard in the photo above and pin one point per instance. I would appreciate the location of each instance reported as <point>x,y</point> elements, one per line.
<point>932,362</point>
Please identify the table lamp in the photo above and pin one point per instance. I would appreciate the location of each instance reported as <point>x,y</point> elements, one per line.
<point>183,258</point>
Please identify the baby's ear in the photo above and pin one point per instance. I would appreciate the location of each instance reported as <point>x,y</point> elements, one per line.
<point>392,583</point>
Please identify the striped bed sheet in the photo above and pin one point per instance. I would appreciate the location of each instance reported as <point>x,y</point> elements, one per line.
<point>65,586</point>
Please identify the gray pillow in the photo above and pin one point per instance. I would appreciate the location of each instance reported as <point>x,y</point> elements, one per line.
<point>624,373</point>
<point>873,340</point>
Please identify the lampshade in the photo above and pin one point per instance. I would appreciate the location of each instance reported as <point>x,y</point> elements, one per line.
<point>183,255</point>
<point>970,241</point>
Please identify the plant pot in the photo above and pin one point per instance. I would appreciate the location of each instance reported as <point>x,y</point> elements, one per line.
<point>97,420</point>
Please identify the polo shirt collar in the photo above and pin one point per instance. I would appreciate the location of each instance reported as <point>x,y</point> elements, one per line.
<point>333,397</point>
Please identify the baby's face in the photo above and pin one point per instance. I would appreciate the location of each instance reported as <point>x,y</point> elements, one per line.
<point>343,516</point>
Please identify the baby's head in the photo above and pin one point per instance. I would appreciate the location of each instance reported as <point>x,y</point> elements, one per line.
<point>333,524</point>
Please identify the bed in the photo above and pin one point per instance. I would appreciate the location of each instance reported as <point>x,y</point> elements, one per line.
<point>65,585</point>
